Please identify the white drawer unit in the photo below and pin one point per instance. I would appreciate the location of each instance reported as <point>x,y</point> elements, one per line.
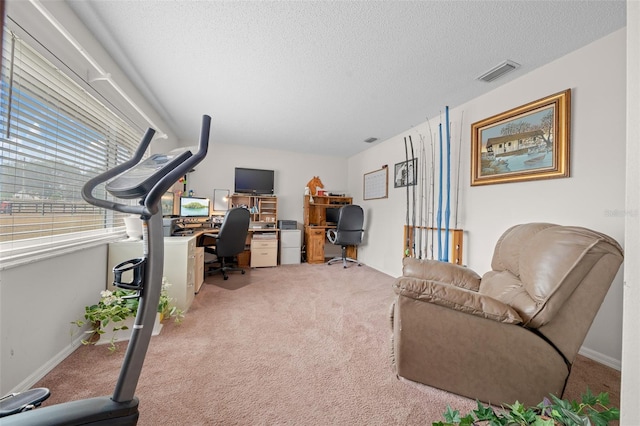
<point>199,268</point>
<point>264,252</point>
<point>290,242</point>
<point>180,266</point>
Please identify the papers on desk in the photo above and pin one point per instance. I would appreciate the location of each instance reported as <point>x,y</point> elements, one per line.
<point>264,236</point>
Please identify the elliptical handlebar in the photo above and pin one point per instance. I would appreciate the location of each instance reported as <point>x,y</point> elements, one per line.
<point>87,188</point>
<point>150,204</point>
<point>152,201</point>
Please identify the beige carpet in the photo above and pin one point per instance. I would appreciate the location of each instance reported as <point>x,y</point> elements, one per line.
<point>293,345</point>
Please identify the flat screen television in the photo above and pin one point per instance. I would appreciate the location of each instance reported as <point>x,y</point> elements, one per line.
<point>194,207</point>
<point>253,181</point>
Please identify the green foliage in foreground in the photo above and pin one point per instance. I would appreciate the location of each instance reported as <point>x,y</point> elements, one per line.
<point>591,410</point>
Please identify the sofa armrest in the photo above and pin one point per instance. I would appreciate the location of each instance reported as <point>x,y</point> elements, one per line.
<point>456,298</point>
<point>444,272</point>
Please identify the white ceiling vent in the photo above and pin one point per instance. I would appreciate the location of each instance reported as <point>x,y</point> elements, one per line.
<point>498,71</point>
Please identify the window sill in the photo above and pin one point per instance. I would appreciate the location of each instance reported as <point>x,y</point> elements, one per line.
<point>12,256</point>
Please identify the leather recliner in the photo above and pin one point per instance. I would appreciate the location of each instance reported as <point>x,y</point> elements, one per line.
<point>512,334</point>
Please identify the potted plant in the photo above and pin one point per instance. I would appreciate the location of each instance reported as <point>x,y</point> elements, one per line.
<point>114,308</point>
<point>590,410</point>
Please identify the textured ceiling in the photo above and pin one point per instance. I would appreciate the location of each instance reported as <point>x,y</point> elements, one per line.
<point>321,77</point>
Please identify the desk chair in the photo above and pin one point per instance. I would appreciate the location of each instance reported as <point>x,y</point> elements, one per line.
<point>348,232</point>
<point>229,242</point>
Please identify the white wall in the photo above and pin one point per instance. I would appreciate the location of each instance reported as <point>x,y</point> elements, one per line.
<point>292,172</point>
<point>38,302</point>
<point>592,197</point>
<point>631,315</point>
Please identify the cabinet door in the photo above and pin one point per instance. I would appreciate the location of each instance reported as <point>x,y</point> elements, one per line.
<point>315,245</point>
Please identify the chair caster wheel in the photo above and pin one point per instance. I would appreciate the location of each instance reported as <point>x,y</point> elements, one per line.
<point>226,278</point>
<point>243,272</point>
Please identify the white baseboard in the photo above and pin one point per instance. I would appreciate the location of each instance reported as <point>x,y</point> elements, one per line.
<point>601,358</point>
<point>37,375</point>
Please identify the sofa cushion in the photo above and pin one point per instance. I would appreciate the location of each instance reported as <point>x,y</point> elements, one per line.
<point>538,266</point>
<point>444,272</point>
<point>457,298</point>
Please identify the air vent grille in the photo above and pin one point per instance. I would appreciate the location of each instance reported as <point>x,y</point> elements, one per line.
<point>498,71</point>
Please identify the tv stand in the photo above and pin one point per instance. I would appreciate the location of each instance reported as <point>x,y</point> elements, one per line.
<point>264,217</point>
<point>263,208</point>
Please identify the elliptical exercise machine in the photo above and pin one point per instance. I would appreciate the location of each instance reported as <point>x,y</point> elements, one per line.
<point>147,180</point>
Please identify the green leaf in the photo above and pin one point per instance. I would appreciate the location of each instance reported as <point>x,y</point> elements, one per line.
<point>588,398</point>
<point>599,419</point>
<point>539,421</point>
<point>611,414</point>
<point>603,398</point>
<point>451,416</point>
<point>484,413</point>
<point>467,420</point>
<point>575,418</point>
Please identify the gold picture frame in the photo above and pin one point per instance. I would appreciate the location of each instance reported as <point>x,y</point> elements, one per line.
<point>525,143</point>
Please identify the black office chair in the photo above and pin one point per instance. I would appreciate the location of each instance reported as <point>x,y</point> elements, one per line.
<point>348,232</point>
<point>229,242</point>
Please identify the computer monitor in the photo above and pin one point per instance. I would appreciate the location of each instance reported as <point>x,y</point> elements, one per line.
<point>332,214</point>
<point>194,207</point>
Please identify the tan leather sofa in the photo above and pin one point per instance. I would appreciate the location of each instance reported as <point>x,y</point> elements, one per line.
<point>513,334</point>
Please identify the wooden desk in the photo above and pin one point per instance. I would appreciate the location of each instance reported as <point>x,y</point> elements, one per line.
<point>315,225</point>
<point>316,237</point>
<point>263,252</point>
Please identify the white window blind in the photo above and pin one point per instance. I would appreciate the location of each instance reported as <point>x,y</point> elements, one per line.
<point>54,136</point>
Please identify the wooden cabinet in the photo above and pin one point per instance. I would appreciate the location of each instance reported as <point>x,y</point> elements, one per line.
<point>315,208</point>
<point>314,241</point>
<point>263,208</point>
<point>316,225</point>
<point>180,266</point>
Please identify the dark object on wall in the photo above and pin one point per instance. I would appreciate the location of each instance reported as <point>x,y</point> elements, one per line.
<point>254,181</point>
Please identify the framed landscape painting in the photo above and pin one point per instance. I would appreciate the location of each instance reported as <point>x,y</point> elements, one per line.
<point>525,143</point>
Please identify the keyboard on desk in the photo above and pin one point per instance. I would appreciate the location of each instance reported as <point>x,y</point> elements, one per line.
<point>192,225</point>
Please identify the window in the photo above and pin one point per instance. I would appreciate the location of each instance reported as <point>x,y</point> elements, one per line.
<point>54,136</point>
